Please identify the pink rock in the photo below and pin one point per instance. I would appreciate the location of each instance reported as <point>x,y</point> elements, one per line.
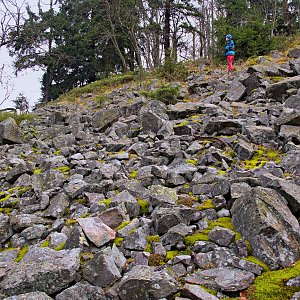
<point>96,231</point>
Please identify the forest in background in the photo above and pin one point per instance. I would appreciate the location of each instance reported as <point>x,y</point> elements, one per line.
<point>77,42</point>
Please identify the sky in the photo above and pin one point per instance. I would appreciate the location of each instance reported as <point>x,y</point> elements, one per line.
<point>27,82</point>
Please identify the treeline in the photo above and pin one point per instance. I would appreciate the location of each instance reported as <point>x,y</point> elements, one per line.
<point>79,41</point>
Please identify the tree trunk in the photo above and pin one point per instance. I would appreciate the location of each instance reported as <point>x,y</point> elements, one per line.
<point>167,29</point>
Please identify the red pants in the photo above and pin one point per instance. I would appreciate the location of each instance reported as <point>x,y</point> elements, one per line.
<point>230,59</point>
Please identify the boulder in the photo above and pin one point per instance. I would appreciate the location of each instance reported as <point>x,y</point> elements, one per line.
<point>30,296</point>
<point>6,230</point>
<point>226,279</point>
<point>236,92</point>
<point>10,133</point>
<point>143,282</point>
<point>104,118</point>
<point>42,269</point>
<point>102,270</point>
<point>96,231</point>
<point>264,219</point>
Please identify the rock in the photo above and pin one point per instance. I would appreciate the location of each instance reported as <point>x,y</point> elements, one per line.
<point>294,53</point>
<point>65,140</point>
<point>115,216</point>
<point>260,134</point>
<point>22,168</point>
<point>137,240</point>
<point>290,133</point>
<point>244,150</point>
<point>278,91</point>
<point>176,234</point>
<point>10,133</point>
<point>291,162</point>
<point>153,116</point>
<point>251,83</point>
<point>58,205</point>
<point>291,192</point>
<point>42,269</point>
<point>6,231</point>
<point>104,118</point>
<point>264,219</point>
<point>22,221</point>
<point>30,296</point>
<point>143,282</point>
<point>236,92</point>
<point>195,292</point>
<point>131,204</point>
<point>222,279</point>
<point>223,126</point>
<point>221,236</point>
<point>81,291</point>
<point>96,231</point>
<point>76,188</point>
<point>160,195</point>
<point>102,270</point>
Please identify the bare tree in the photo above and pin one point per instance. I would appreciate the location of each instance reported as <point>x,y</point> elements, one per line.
<point>5,84</point>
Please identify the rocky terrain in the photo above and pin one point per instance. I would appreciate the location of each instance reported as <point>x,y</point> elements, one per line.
<point>142,200</point>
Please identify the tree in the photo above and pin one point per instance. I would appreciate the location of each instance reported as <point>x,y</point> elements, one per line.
<point>21,104</point>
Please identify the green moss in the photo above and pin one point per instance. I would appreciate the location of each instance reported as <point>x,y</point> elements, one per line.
<point>21,253</point>
<point>122,225</point>
<point>198,236</point>
<point>213,292</point>
<point>166,93</point>
<point>258,262</point>
<point>60,247</point>
<point>171,254</point>
<point>148,248</point>
<point>221,172</point>
<point>133,174</point>
<point>64,169</point>
<point>37,171</point>
<point>144,206</point>
<point>183,123</point>
<point>105,201</point>
<point>206,205</point>
<point>221,222</point>
<point>5,198</point>
<point>45,244</point>
<point>118,241</point>
<point>153,238</point>
<point>192,161</point>
<point>6,210</point>
<point>82,201</point>
<point>57,152</point>
<point>70,222</point>
<point>271,285</point>
<point>85,215</point>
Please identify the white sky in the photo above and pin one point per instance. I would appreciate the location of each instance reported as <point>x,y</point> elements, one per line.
<point>27,81</point>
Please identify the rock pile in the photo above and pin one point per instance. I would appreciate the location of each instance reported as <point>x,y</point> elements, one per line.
<point>145,201</point>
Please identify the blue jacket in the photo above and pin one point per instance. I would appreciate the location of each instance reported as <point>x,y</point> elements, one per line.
<point>229,48</point>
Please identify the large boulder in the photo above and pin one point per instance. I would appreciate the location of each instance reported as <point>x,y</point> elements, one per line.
<point>10,133</point>
<point>264,219</point>
<point>30,296</point>
<point>105,118</point>
<point>42,269</point>
<point>143,282</point>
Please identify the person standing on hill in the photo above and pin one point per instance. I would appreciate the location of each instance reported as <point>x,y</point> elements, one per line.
<point>229,52</point>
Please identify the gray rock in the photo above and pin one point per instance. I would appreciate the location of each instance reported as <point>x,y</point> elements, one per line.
<point>160,195</point>
<point>166,218</point>
<point>115,216</point>
<point>223,126</point>
<point>176,234</point>
<point>131,204</point>
<point>221,236</point>
<point>251,82</point>
<point>58,205</point>
<point>223,279</point>
<point>82,291</point>
<point>248,266</point>
<point>295,66</point>
<point>42,269</point>
<point>96,231</point>
<point>10,133</point>
<point>290,133</point>
<point>61,141</point>
<point>264,219</point>
<point>76,188</point>
<point>291,162</point>
<point>260,134</point>
<point>34,232</point>
<point>236,92</point>
<point>102,270</point>
<point>47,180</point>
<point>278,91</point>
<point>137,240</point>
<point>30,296</point>
<point>294,53</point>
<point>195,292</point>
<point>6,231</point>
<point>243,149</point>
<point>296,296</point>
<point>22,168</point>
<point>294,281</point>
<point>22,221</point>
<point>291,192</point>
<point>153,116</point>
<point>143,282</point>
<point>104,118</point>
<point>289,117</point>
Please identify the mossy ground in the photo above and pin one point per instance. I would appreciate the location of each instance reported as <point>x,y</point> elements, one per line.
<point>271,285</point>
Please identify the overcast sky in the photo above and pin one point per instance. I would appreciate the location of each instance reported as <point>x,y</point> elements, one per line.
<point>27,82</point>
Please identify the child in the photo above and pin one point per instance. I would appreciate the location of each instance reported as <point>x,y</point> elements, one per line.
<point>229,51</point>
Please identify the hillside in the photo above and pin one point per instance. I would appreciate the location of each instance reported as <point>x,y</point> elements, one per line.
<point>134,188</point>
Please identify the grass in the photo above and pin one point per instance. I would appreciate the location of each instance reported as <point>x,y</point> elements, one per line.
<point>21,253</point>
<point>18,117</point>
<point>98,87</point>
